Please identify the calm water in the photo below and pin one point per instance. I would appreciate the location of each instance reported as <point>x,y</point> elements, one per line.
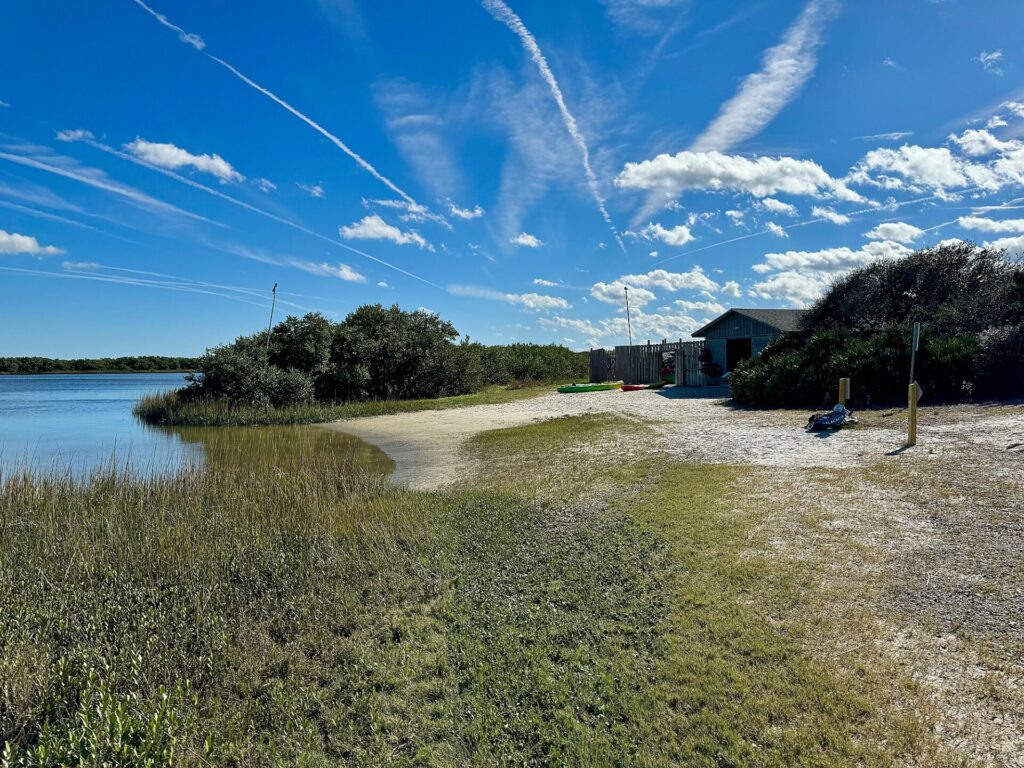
<point>82,423</point>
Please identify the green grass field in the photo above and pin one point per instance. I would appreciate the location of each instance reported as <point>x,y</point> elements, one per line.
<point>558,609</point>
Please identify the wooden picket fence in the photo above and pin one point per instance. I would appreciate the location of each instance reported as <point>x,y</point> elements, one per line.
<point>641,363</point>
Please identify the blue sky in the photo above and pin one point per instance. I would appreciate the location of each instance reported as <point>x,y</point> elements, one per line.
<point>510,165</point>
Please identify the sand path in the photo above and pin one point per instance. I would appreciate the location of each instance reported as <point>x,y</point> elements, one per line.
<point>693,425</point>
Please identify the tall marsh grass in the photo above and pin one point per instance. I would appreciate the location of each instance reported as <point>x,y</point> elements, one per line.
<point>185,620</point>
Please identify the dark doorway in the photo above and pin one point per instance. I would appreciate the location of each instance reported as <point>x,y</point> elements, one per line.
<point>736,350</point>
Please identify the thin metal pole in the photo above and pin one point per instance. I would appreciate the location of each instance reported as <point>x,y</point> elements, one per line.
<point>913,349</point>
<point>629,326</point>
<point>273,303</point>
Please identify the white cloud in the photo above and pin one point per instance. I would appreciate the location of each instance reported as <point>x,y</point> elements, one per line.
<point>763,95</point>
<point>899,231</point>
<point>640,286</point>
<point>78,134</point>
<point>313,190</point>
<point>731,288</point>
<point>653,254</point>
<point>991,225</point>
<point>678,235</point>
<point>373,227</point>
<point>916,168</point>
<point>776,230</point>
<point>12,243</point>
<point>978,143</point>
<point>382,284</point>
<point>799,289</point>
<point>650,326</point>
<point>891,63</point>
<point>996,121</point>
<point>559,322</point>
<point>502,13</point>
<point>265,184</point>
<point>991,61</point>
<point>736,217</point>
<point>777,206</point>
<point>533,301</point>
<point>1016,107</point>
<point>339,270</point>
<point>614,293</point>
<point>671,175</point>
<point>1014,246</point>
<point>829,214</point>
<point>544,283</point>
<point>165,155</point>
<point>832,259</point>
<point>526,240</point>
<point>712,307</point>
<point>465,213</point>
<point>409,211</point>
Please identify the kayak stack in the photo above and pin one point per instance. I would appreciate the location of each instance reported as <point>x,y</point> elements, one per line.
<point>571,388</point>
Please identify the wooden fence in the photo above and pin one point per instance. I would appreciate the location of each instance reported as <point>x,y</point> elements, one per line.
<point>642,363</point>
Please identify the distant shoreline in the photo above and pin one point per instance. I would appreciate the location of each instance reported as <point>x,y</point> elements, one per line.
<point>73,373</point>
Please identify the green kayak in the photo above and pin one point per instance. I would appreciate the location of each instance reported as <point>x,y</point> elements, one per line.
<point>589,387</point>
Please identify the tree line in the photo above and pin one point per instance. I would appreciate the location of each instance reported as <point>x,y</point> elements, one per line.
<point>969,301</point>
<point>131,364</point>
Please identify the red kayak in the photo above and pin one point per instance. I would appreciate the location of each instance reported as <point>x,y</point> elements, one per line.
<point>634,387</point>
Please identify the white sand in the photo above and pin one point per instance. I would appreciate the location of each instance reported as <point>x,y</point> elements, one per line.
<point>694,425</point>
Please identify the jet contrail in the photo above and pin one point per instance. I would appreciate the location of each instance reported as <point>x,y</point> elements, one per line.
<point>108,186</point>
<point>501,12</point>
<point>242,204</point>
<point>197,42</point>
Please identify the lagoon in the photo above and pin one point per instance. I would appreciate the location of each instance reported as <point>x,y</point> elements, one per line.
<point>79,424</point>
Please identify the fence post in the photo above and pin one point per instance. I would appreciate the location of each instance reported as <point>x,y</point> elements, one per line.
<point>844,391</point>
<point>912,396</point>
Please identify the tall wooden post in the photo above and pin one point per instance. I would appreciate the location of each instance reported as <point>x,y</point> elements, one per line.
<point>844,391</point>
<point>913,393</point>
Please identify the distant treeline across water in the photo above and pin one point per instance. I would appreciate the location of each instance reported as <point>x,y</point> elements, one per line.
<point>133,364</point>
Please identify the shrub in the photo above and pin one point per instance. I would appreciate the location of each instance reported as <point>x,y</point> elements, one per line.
<point>375,353</point>
<point>969,301</point>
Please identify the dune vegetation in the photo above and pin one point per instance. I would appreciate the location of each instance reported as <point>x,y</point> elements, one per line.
<point>969,301</point>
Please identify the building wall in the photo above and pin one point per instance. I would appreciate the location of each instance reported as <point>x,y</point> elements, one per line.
<point>740,327</point>
<point>757,344</point>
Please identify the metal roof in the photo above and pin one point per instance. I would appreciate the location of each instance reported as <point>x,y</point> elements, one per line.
<point>784,320</point>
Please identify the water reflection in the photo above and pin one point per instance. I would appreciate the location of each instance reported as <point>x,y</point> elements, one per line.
<point>282,448</point>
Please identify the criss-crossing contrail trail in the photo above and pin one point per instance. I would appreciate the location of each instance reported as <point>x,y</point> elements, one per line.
<point>501,12</point>
<point>107,186</point>
<point>247,206</point>
<point>197,42</point>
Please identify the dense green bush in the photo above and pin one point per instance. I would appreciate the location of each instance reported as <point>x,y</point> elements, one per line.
<point>969,301</point>
<point>375,353</point>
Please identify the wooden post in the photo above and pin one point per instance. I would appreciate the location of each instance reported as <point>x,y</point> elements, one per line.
<point>912,397</point>
<point>844,391</point>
